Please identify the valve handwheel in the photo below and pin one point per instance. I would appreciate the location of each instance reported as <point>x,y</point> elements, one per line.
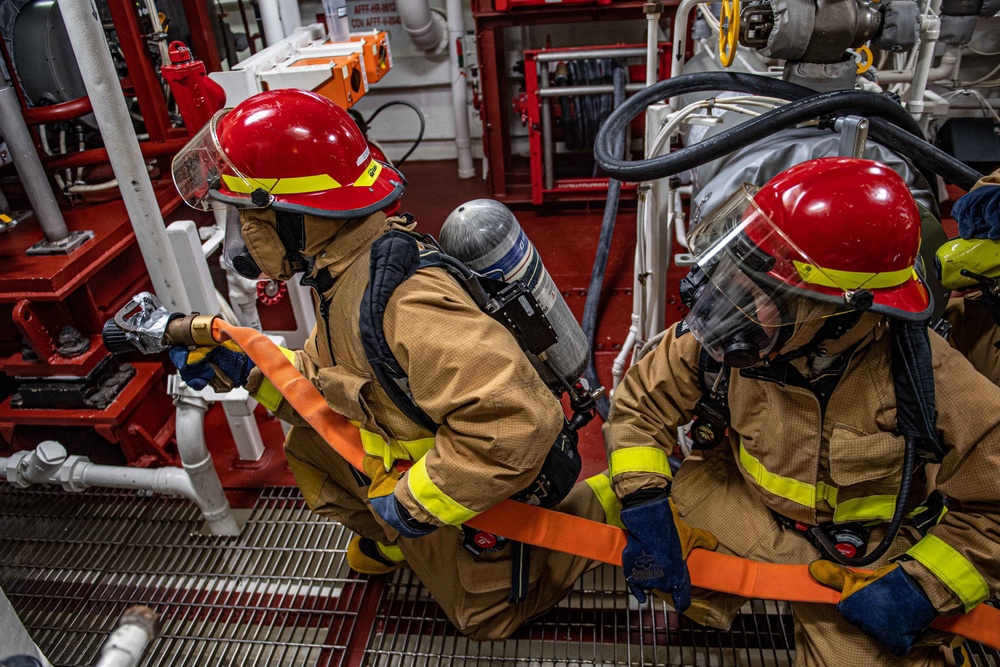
<point>729,31</point>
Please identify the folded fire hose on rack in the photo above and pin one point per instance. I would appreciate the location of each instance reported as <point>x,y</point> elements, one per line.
<point>562,532</point>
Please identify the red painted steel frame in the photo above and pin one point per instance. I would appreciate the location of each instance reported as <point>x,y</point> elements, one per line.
<point>597,187</point>
<point>508,183</point>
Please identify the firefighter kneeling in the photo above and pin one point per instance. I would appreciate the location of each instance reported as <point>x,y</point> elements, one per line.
<point>464,410</point>
<point>832,427</point>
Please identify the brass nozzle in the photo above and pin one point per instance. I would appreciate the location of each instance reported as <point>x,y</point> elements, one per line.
<point>192,330</point>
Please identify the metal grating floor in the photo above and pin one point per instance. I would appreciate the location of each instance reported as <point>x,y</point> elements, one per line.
<point>281,594</point>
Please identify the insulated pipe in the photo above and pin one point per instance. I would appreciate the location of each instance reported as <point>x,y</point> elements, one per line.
<point>548,143</point>
<point>270,16</point>
<point>459,89</point>
<point>29,167</point>
<point>589,54</point>
<point>291,15</point>
<point>679,37</point>
<point>562,91</point>
<point>419,23</point>
<point>113,119</point>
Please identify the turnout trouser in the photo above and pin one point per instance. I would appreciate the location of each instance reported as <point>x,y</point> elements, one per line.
<point>472,590</point>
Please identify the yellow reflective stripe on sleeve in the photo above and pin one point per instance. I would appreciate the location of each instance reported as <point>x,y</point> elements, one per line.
<point>865,509</point>
<point>293,185</point>
<point>267,394</point>
<point>433,499</point>
<point>392,552</point>
<point>369,175</point>
<point>639,459</point>
<point>849,280</point>
<point>783,487</point>
<point>952,568</point>
<point>601,486</point>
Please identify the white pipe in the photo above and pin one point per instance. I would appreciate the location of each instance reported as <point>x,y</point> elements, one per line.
<point>459,90</point>
<point>127,642</point>
<point>49,464</point>
<point>197,462</point>
<point>29,167</point>
<point>270,16</point>
<point>652,33</point>
<point>105,93</point>
<point>944,69</point>
<point>420,24</point>
<point>931,28</point>
<point>291,16</point>
<point>679,36</point>
<point>618,367</point>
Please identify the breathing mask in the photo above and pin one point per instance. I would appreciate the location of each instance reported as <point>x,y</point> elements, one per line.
<point>262,243</point>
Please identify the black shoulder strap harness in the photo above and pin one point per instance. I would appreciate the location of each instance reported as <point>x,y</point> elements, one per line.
<point>916,420</point>
<point>395,257</point>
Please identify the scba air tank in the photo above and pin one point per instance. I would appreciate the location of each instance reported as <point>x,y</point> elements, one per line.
<point>485,235</point>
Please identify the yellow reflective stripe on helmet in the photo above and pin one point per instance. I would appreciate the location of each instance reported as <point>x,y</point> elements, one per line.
<point>639,459</point>
<point>867,508</point>
<point>816,275</point>
<point>437,503</point>
<point>369,175</point>
<point>601,486</point>
<point>294,185</point>
<point>952,568</point>
<point>267,394</point>
<point>391,551</point>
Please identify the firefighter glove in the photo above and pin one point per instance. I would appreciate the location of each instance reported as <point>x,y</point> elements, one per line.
<point>382,496</point>
<point>197,367</point>
<point>658,543</point>
<point>887,605</point>
<point>978,213</point>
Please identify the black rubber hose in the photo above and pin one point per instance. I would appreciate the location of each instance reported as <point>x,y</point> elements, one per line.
<point>420,116</point>
<point>909,461</point>
<point>890,125</point>
<point>604,248</point>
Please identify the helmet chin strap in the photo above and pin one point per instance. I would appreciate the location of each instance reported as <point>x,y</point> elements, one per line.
<point>833,328</point>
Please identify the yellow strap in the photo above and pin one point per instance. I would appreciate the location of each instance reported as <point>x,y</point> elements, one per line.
<point>393,450</point>
<point>848,280</point>
<point>601,486</point>
<point>391,551</point>
<point>867,508</point>
<point>639,459</point>
<point>267,394</point>
<point>433,499</point>
<point>952,568</point>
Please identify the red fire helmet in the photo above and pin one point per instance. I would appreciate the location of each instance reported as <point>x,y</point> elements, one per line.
<point>290,149</point>
<point>843,225</point>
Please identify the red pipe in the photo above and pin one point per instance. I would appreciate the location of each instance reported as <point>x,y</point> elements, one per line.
<point>100,155</point>
<point>58,112</point>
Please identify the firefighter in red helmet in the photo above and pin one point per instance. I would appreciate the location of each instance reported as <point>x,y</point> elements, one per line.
<point>479,425</point>
<point>829,426</point>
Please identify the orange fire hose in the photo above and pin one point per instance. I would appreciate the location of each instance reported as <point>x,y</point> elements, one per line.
<point>570,534</point>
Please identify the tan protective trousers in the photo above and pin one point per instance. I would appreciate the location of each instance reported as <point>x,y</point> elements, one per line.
<point>471,590</point>
<point>711,493</point>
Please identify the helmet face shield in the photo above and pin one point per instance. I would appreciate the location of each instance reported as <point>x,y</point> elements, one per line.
<point>201,169</point>
<point>235,253</point>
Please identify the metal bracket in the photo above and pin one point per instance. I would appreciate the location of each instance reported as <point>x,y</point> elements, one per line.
<point>853,135</point>
<point>63,246</point>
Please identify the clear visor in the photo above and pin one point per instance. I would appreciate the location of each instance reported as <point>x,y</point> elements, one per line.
<point>751,279</point>
<point>202,166</point>
<point>738,243</point>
